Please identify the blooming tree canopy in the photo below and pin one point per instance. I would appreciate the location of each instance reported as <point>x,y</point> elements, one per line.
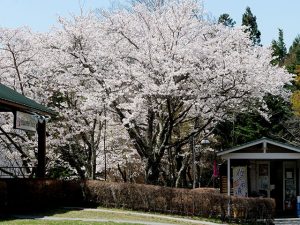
<point>169,74</point>
<point>165,74</point>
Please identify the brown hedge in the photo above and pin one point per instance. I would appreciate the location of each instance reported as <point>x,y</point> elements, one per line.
<point>197,202</point>
<point>19,194</point>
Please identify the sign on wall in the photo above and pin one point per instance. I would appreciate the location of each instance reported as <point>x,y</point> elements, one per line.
<point>263,176</point>
<point>240,184</point>
<point>25,121</point>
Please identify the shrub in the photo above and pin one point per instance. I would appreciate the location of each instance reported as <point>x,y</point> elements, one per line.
<point>199,202</point>
<point>29,194</point>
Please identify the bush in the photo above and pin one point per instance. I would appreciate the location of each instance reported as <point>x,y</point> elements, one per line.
<point>198,202</point>
<point>252,209</point>
<point>32,194</point>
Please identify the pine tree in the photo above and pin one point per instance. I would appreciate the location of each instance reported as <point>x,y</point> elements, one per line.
<point>292,64</point>
<point>279,49</point>
<point>249,126</point>
<point>226,20</point>
<point>292,61</point>
<point>249,20</point>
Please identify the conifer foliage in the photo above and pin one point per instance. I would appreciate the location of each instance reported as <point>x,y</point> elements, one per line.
<point>279,49</point>
<point>249,20</point>
<point>226,20</point>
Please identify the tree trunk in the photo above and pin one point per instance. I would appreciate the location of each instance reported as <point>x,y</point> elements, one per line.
<point>94,165</point>
<point>152,172</point>
<point>123,173</point>
<point>181,180</point>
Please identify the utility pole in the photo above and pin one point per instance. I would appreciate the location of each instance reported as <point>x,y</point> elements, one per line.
<point>199,148</point>
<point>104,142</point>
<point>194,166</point>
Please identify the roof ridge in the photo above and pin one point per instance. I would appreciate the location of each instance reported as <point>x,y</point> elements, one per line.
<point>9,95</point>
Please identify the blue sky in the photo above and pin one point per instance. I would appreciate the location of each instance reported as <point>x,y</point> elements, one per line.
<point>40,15</point>
<point>270,15</point>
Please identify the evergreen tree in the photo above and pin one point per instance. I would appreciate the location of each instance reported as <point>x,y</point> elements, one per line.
<point>279,49</point>
<point>249,126</point>
<point>292,61</point>
<point>292,64</point>
<point>249,20</point>
<point>226,20</point>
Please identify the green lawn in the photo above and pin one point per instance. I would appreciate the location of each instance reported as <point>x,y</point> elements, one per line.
<point>47,222</point>
<point>125,216</point>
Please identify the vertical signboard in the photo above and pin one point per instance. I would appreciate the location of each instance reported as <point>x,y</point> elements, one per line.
<point>263,177</point>
<point>240,185</point>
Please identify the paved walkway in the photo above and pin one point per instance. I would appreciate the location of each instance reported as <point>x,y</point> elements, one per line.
<point>287,221</point>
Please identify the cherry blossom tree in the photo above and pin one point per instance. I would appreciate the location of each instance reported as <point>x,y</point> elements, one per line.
<point>171,75</point>
<point>85,129</point>
<point>140,84</point>
<point>165,73</point>
<point>17,63</point>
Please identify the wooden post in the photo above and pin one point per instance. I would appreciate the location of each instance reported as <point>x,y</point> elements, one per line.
<point>41,130</point>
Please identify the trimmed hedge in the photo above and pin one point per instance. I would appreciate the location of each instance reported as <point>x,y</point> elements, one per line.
<point>31,194</point>
<point>197,202</point>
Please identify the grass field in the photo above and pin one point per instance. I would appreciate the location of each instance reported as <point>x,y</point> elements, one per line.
<point>49,222</point>
<point>96,216</point>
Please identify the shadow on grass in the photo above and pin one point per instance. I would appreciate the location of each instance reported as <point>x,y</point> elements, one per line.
<point>39,197</point>
<point>15,214</point>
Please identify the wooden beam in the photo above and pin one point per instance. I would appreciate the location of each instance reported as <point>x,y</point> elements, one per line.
<point>41,168</point>
<point>265,147</point>
<point>13,106</point>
